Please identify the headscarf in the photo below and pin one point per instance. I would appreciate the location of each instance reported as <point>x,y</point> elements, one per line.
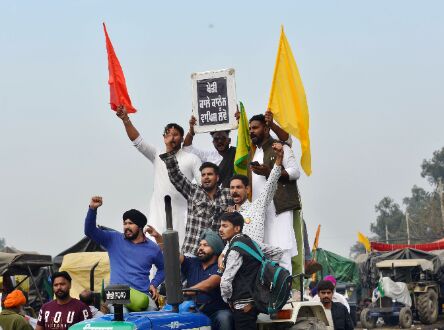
<point>330,278</point>
<point>213,240</point>
<point>15,299</point>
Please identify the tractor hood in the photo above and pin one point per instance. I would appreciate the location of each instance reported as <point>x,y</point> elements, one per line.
<point>147,321</point>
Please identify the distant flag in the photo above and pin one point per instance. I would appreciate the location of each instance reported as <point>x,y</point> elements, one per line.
<point>316,241</point>
<point>364,241</point>
<point>288,102</point>
<point>315,247</point>
<point>117,85</point>
<point>243,145</point>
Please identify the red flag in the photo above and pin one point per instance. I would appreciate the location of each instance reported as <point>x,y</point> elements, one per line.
<point>117,85</point>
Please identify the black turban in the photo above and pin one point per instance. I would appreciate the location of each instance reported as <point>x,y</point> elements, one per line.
<point>135,216</point>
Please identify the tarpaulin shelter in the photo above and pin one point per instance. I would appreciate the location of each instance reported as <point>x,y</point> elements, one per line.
<point>343,269</point>
<point>84,245</point>
<point>31,264</point>
<point>79,259</point>
<point>369,272</point>
<point>79,266</point>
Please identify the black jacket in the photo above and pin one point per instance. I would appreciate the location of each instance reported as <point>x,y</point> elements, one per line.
<point>341,317</point>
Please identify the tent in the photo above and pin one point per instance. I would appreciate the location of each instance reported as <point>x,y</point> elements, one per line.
<point>84,245</point>
<point>79,266</point>
<point>343,269</point>
<point>79,259</point>
<point>30,264</point>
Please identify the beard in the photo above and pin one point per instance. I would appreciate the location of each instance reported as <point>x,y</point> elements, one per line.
<point>62,294</point>
<point>131,237</point>
<point>208,188</point>
<point>204,257</point>
<point>326,300</point>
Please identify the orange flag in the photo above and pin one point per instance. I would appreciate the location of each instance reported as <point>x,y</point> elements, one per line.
<point>117,86</point>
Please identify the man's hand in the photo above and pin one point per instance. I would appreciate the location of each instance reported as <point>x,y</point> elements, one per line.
<point>268,118</point>
<point>237,113</point>
<point>96,202</point>
<point>220,262</point>
<point>122,114</point>
<point>150,230</point>
<point>168,140</point>
<point>154,293</point>
<point>192,123</point>
<point>263,170</point>
<point>231,208</point>
<point>279,151</point>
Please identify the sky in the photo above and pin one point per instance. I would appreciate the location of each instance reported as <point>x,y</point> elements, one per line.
<point>373,73</point>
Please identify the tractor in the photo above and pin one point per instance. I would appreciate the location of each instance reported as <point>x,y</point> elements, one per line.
<point>180,314</point>
<point>420,299</point>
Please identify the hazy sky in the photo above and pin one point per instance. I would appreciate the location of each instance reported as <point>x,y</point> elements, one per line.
<point>373,74</point>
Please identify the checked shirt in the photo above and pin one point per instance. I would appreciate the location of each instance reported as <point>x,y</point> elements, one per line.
<point>203,212</point>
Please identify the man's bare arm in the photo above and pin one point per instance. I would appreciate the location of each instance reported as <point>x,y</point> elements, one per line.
<point>131,131</point>
<point>189,137</point>
<point>150,230</point>
<point>281,134</point>
<point>209,284</point>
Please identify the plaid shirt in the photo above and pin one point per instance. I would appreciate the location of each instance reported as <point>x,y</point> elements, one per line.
<point>203,212</point>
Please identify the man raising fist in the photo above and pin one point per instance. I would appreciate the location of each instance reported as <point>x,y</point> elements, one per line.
<point>131,255</point>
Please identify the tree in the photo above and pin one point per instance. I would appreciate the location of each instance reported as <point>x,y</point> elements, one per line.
<point>356,249</point>
<point>433,169</point>
<point>424,215</point>
<point>390,216</point>
<point>2,243</point>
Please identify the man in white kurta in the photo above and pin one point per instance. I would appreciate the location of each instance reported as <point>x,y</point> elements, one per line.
<point>188,163</point>
<point>278,229</point>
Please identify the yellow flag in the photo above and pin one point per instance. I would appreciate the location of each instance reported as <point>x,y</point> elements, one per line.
<point>316,241</point>
<point>364,241</point>
<point>243,145</point>
<point>288,102</point>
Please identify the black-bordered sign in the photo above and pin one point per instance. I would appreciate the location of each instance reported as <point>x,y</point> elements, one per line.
<point>214,100</point>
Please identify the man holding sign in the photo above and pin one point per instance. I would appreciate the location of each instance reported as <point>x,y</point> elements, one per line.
<point>223,154</point>
<point>188,164</point>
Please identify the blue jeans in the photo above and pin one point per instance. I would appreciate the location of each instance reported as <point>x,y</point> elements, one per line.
<point>222,320</point>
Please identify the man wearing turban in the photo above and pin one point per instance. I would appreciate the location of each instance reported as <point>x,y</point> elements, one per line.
<point>131,254</point>
<point>10,318</point>
<point>202,273</point>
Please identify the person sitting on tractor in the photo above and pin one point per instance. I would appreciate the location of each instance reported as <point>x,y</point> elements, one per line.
<point>238,279</point>
<point>131,255</point>
<point>202,273</point>
<point>337,314</point>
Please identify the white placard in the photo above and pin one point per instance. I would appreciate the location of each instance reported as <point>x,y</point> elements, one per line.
<point>214,100</point>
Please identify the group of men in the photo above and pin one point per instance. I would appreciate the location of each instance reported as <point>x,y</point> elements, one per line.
<point>210,210</point>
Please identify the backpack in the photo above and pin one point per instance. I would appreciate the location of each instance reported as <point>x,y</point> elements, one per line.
<point>273,283</point>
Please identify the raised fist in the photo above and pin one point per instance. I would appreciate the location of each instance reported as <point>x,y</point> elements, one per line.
<point>96,202</point>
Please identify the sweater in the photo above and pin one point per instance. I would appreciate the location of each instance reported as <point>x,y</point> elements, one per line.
<point>130,263</point>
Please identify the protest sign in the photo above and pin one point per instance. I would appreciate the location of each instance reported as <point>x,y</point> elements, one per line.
<point>214,100</point>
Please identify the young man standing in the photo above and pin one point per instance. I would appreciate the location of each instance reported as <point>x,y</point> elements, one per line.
<point>187,162</point>
<point>240,272</point>
<point>280,214</point>
<point>205,201</point>
<point>337,314</point>
<point>64,311</point>
<point>254,212</point>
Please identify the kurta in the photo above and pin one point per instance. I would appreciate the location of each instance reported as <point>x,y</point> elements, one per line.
<point>189,165</point>
<point>278,230</point>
